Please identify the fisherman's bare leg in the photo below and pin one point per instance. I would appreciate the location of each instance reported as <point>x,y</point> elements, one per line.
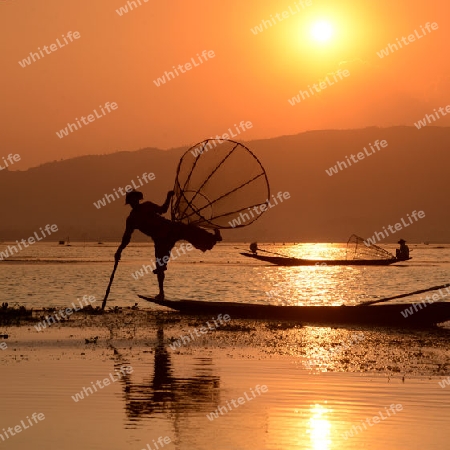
<point>162,255</point>
<point>161,277</point>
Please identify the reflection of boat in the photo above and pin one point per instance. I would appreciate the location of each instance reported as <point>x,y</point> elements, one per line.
<point>384,315</point>
<point>288,261</point>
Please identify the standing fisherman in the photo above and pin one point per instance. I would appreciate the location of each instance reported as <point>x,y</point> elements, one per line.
<point>147,218</point>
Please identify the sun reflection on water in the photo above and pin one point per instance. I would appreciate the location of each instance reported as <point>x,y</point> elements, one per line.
<point>318,284</point>
<point>319,427</point>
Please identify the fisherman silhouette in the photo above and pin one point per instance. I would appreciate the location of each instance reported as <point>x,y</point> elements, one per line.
<point>402,253</point>
<point>147,218</point>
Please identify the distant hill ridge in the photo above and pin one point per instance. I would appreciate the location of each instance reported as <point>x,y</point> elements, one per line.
<point>410,173</point>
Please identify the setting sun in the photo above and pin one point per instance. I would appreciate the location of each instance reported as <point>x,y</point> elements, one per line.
<point>322,31</point>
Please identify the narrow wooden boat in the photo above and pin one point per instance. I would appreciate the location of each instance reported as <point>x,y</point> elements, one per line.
<point>376,315</point>
<point>286,261</point>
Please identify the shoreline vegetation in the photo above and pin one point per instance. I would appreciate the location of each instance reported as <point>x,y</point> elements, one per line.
<point>421,352</point>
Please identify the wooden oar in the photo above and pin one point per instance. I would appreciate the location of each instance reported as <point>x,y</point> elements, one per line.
<point>109,285</point>
<point>421,291</point>
<point>274,253</point>
<point>265,251</point>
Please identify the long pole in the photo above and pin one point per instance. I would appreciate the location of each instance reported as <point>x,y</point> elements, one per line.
<point>421,291</point>
<point>267,251</point>
<point>109,285</point>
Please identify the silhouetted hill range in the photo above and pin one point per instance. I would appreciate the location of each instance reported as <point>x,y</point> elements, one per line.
<point>409,174</point>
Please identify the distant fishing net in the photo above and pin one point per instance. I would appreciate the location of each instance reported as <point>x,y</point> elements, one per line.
<point>356,249</point>
<point>217,182</point>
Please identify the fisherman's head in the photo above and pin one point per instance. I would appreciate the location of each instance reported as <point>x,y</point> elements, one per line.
<point>133,198</point>
<point>401,241</point>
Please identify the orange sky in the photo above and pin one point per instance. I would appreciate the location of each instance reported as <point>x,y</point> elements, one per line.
<point>250,78</point>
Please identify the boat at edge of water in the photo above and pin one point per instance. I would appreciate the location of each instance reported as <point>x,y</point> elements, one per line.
<point>369,315</point>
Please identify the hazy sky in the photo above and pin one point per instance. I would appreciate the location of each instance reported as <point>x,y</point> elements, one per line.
<point>251,76</point>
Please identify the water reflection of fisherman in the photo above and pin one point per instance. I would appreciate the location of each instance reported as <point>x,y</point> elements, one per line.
<point>165,393</point>
<point>402,253</point>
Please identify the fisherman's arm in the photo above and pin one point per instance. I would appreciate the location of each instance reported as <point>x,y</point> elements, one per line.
<point>125,241</point>
<point>165,206</point>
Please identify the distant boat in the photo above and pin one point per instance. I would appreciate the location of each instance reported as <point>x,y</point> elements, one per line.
<point>65,242</point>
<point>357,254</point>
<point>288,261</point>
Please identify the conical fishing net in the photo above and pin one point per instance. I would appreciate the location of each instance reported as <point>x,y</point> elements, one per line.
<point>219,184</point>
<point>357,249</point>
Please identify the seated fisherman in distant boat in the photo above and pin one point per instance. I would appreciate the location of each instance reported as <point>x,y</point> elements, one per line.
<point>402,253</point>
<point>147,218</point>
<point>254,247</point>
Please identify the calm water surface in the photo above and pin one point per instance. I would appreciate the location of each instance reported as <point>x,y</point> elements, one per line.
<point>170,393</point>
<point>52,275</point>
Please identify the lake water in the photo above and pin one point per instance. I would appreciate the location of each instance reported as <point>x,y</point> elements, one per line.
<point>221,394</point>
<point>53,275</point>
<point>314,397</point>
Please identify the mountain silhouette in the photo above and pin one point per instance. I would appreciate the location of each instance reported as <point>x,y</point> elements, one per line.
<point>409,174</point>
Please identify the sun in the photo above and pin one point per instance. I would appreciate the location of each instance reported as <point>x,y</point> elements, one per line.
<point>322,31</point>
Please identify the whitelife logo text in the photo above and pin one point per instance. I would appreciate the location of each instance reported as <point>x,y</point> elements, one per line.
<point>183,68</point>
<point>87,120</point>
<point>11,159</point>
<point>341,165</point>
<point>53,47</point>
